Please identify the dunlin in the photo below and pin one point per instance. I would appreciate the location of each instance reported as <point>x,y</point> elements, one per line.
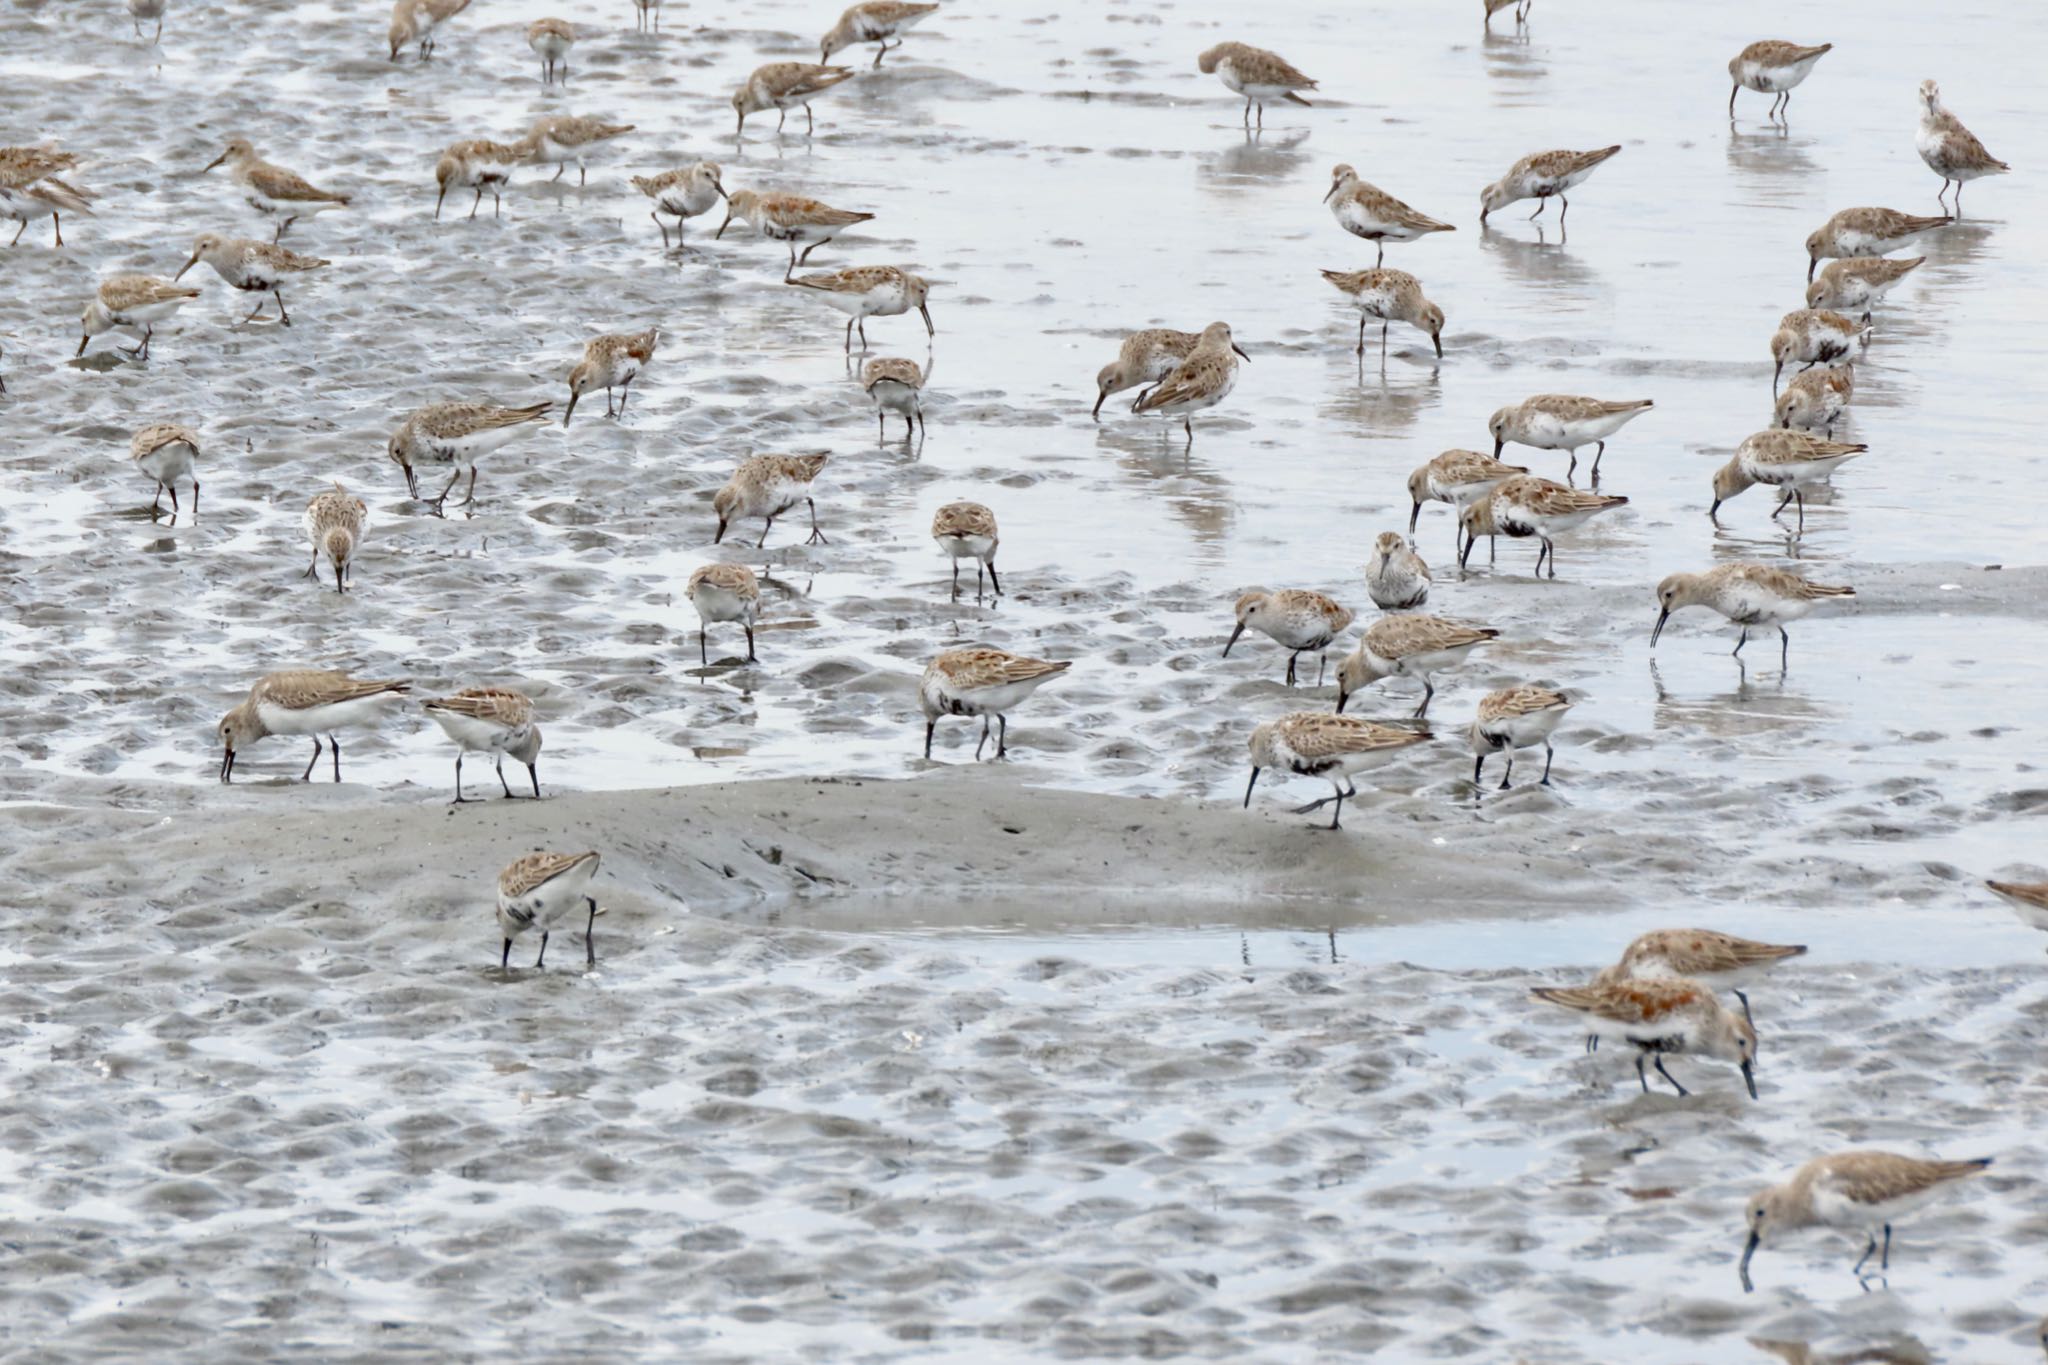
<point>870,291</point>
<point>1296,619</point>
<point>457,434</point>
<point>133,304</point>
<point>1559,421</point>
<point>480,164</point>
<point>980,682</point>
<point>684,193</point>
<point>1366,211</point>
<point>139,10</point>
<point>1748,594</point>
<point>489,720</point>
<point>648,14</point>
<point>875,21</point>
<point>1865,232</point>
<point>790,219</point>
<point>2029,900</point>
<point>724,592</point>
<point>967,530</point>
<point>766,486</point>
<point>551,40</point>
<point>1856,285</point>
<point>1144,358</point>
<point>1318,744</point>
<point>895,385</point>
<point>1260,76</point>
<point>166,451</point>
<point>1540,175</point>
<point>1857,1191</point>
<point>1773,68</point>
<point>612,359</point>
<point>274,191</point>
<point>1201,381</point>
<point>1516,718</point>
<point>1475,519</point>
<point>544,889</point>
<point>29,188</point>
<point>1521,8</point>
<point>1390,296</point>
<point>1407,647</point>
<point>334,526</point>
<point>783,86</point>
<point>303,701</point>
<point>1815,398</point>
<point>251,266</point>
<point>563,138</point>
<point>1702,955</point>
<point>1661,1015</point>
<point>1395,577</point>
<point>417,20</point>
<point>1457,477</point>
<point>1813,336</point>
<point>1529,506</point>
<point>1792,461</point>
<point>1950,150</point>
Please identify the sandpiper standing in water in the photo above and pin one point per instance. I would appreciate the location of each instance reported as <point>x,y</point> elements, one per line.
<point>489,720</point>
<point>683,193</point>
<point>1200,382</point>
<point>1856,285</point>
<point>612,359</point>
<point>133,304</point>
<point>790,219</point>
<point>967,530</point>
<point>1773,68</point>
<point>766,486</point>
<point>334,524</point>
<point>1950,150</point>
<point>1390,296</point>
<point>874,21</point>
<point>1659,1016</point>
<point>563,138</point>
<point>1408,646</point>
<point>1296,619</point>
<point>1260,76</point>
<point>1560,421</point>
<point>1539,176</point>
<point>1865,232</point>
<point>457,434</point>
<point>1395,577</point>
<point>480,164</point>
<point>981,682</point>
<point>551,40</point>
<point>1318,744</point>
<point>1862,1192</point>
<point>1516,718</point>
<point>274,191</point>
<point>166,451</point>
<point>1528,506</point>
<point>1748,594</point>
<point>895,385</point>
<point>870,291</point>
<point>1367,211</point>
<point>724,592</point>
<point>303,701</point>
<point>29,188</point>
<point>1791,461</point>
<point>1145,358</point>
<point>783,86</point>
<point>251,266</point>
<point>543,889</point>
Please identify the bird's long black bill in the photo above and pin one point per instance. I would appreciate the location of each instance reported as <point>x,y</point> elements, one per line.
<point>1658,629</point>
<point>1749,1078</point>
<point>1233,639</point>
<point>1748,1250</point>
<point>1248,789</point>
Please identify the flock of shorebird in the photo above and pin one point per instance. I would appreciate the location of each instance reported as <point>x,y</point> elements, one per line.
<point>1658,999</point>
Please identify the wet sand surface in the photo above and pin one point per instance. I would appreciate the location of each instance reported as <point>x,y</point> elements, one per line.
<point>1097,1088</point>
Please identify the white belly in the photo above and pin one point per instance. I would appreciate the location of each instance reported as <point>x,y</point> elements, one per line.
<point>166,463</point>
<point>1522,732</point>
<point>477,736</point>
<point>714,604</point>
<point>967,547</point>
<point>321,720</point>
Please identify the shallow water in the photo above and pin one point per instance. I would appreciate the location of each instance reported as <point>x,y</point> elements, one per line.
<point>1062,176</point>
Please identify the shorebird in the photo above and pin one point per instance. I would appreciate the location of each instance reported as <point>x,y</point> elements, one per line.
<point>1772,68</point>
<point>1457,477</point>
<point>1789,460</point>
<point>481,165</point>
<point>563,138</point>
<point>274,191</point>
<point>1318,744</point>
<point>1813,336</point>
<point>29,188</point>
<point>1857,1191</point>
<point>416,20</point>
<point>1847,286</point>
<point>1529,506</point>
<point>790,219</point>
<point>303,701</point>
<point>724,592</point>
<point>1366,211</point>
<point>894,385</point>
<point>334,524</point>
<point>1260,76</point>
<point>2029,900</point>
<point>1540,175</point>
<point>1521,8</point>
<point>1748,594</point>
<point>133,304</point>
<point>784,85</point>
<point>1559,421</point>
<point>1145,358</point>
<point>766,486</point>
<point>166,451</point>
<point>489,720</point>
<point>1516,718</point>
<point>612,359</point>
<point>1661,1015</point>
<point>1407,647</point>
<point>457,434</point>
<point>980,682</point>
<point>870,291</point>
<point>684,193</point>
<point>140,10</point>
<point>1950,150</point>
<point>1475,519</point>
<point>1395,577</point>
<point>967,530</point>
<point>544,889</point>
<point>551,40</point>
<point>1816,398</point>
<point>1201,381</point>
<point>1703,955</point>
<point>646,10</point>
<point>1296,619</point>
<point>1865,232</point>
<point>875,21</point>
<point>251,266</point>
<point>1390,296</point>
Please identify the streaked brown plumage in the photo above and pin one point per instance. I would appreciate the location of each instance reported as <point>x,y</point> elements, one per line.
<point>1367,211</point>
<point>1396,577</point>
<point>1865,232</point>
<point>562,138</point>
<point>1539,176</point>
<point>492,720</point>
<point>1856,1191</point>
<point>166,451</point>
<point>874,21</point>
<point>29,188</point>
<point>1408,645</point>
<point>418,19</point>
<point>980,682</point>
<point>1748,594</point>
<point>1296,619</point>
<point>1201,381</point>
<point>334,525</point>
<point>1516,718</point>
<point>132,304</point>
<point>1772,67</point>
<point>1702,954</point>
<point>1528,506</point>
<point>1390,296</point>
<point>480,164</point>
<point>967,530</point>
<point>1950,150</point>
<point>1260,76</point>
<point>456,434</point>
<point>551,40</point>
<point>541,889</point>
<point>1660,1015</point>
<point>251,266</point>
<point>1318,744</point>
<point>613,359</point>
<point>1457,477</point>
<point>783,85</point>
<point>1815,399</point>
<point>1144,358</point>
<point>766,486</point>
<point>1855,285</point>
<point>869,291</point>
<point>1789,460</point>
<point>895,385</point>
<point>302,701</point>
<point>724,592</point>
<point>685,193</point>
<point>273,190</point>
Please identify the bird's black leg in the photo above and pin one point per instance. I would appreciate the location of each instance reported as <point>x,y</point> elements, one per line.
<point>1290,666</point>
<point>459,798</point>
<point>1428,691</point>
<point>1640,1076</point>
<point>1506,776</point>
<point>590,934</point>
<point>983,741</point>
<point>1002,736</point>
<point>1742,641</point>
<point>1337,812</point>
<point>1784,650</point>
<point>334,750</point>
<point>1669,1077</point>
<point>1868,1252</point>
<point>1548,754</point>
<point>505,957</point>
<point>750,643</point>
<point>543,950</point>
<point>501,776</point>
<point>307,776</point>
<point>929,726</point>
